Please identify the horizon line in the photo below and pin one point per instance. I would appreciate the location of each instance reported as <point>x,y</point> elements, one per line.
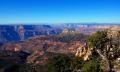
<point>60,23</point>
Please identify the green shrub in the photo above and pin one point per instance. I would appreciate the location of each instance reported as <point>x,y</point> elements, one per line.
<point>91,66</point>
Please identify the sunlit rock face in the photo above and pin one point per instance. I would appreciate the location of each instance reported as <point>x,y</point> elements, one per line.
<point>21,32</point>
<point>68,30</point>
<point>84,52</point>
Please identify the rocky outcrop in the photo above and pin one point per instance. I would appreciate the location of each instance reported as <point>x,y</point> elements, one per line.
<point>84,52</point>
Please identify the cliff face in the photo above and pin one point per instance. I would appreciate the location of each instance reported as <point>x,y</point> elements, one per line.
<point>38,47</point>
<point>43,43</point>
<point>84,52</point>
<point>22,32</point>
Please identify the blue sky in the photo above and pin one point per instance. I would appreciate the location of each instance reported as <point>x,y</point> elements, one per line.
<point>59,11</point>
